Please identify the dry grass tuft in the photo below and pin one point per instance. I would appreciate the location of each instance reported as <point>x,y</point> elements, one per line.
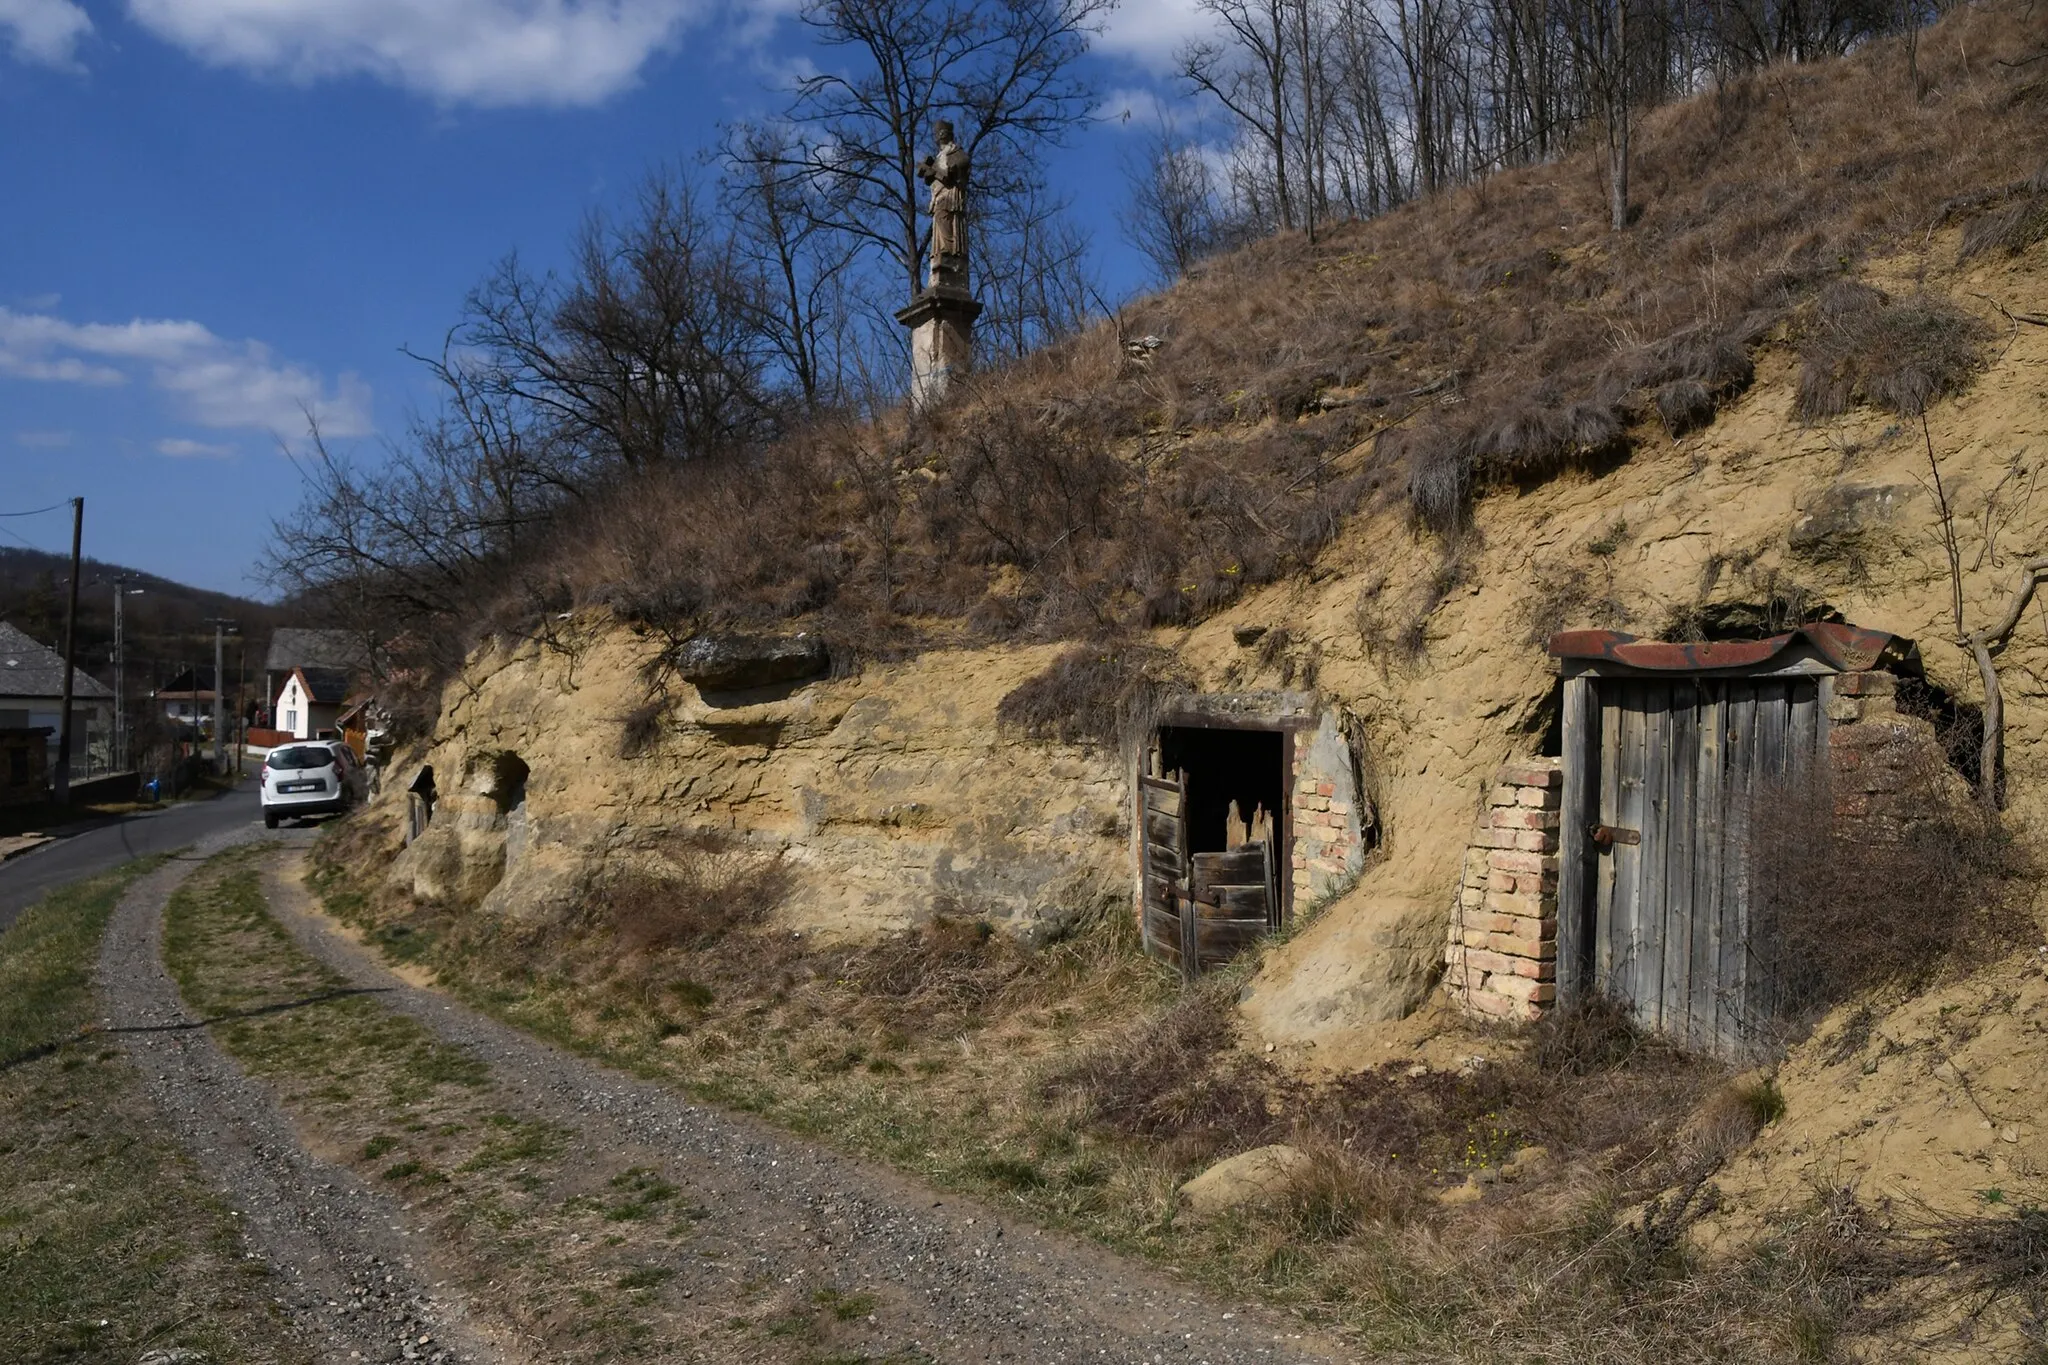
<point>696,889</point>
<point>1882,890</point>
<point>1685,405</point>
<point>1176,1077</point>
<point>1901,355</point>
<point>2019,220</point>
<point>640,728</point>
<point>1087,694</point>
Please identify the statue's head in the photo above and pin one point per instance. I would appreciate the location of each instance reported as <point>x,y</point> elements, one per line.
<point>942,131</point>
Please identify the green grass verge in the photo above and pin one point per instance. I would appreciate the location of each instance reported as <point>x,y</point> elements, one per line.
<point>110,1244</point>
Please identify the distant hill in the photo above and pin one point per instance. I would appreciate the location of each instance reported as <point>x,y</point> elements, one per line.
<point>166,626</point>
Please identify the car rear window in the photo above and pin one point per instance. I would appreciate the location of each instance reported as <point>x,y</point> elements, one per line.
<point>304,757</point>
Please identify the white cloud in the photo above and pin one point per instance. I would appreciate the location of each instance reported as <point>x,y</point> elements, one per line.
<point>483,52</point>
<point>43,440</point>
<point>179,448</point>
<point>1149,32</point>
<point>46,32</point>
<point>212,381</point>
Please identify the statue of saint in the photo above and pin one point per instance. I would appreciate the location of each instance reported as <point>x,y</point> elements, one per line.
<point>946,172</point>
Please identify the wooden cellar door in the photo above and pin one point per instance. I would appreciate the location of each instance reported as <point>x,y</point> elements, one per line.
<point>1685,768</point>
<point>1163,845</point>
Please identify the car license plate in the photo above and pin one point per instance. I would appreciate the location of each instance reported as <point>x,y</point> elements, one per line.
<point>298,786</point>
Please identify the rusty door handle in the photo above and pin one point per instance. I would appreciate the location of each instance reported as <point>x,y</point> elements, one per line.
<point>1607,836</point>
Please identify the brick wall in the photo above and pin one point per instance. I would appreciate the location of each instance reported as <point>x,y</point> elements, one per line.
<point>1879,759</point>
<point>1330,815</point>
<point>1501,959</point>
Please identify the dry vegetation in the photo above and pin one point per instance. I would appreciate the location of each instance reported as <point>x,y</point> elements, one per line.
<point>1091,694</point>
<point>1489,335</point>
<point>1532,1200</point>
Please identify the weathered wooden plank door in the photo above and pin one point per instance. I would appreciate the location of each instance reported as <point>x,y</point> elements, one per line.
<point>1685,769</point>
<point>1163,853</point>
<point>1229,905</point>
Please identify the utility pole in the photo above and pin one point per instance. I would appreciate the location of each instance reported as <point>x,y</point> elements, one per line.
<point>62,785</point>
<point>241,715</point>
<point>220,626</point>
<point>122,592</point>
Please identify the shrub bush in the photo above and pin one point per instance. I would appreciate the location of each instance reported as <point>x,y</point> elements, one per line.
<point>691,892</point>
<point>1087,693</point>
<point>1898,355</point>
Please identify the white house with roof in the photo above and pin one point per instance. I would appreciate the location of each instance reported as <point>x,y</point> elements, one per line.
<point>321,662</point>
<point>309,704</point>
<point>32,695</point>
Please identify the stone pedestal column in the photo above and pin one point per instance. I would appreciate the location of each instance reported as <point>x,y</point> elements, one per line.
<point>941,323</point>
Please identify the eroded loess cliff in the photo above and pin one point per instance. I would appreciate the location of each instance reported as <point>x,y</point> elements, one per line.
<point>895,793</point>
<point>890,795</point>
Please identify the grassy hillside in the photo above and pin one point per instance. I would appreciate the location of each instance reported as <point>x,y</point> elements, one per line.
<point>1481,339</point>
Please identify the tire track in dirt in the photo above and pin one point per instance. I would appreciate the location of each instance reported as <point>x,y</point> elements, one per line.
<point>341,1262</point>
<point>963,1281</point>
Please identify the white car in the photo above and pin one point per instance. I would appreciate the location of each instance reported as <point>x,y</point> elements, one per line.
<point>314,778</point>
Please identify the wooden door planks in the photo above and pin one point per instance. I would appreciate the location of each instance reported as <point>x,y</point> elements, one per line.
<point>1671,924</point>
<point>1164,869</point>
<point>1631,806</point>
<point>1681,762</point>
<point>1710,799</point>
<point>1578,867</point>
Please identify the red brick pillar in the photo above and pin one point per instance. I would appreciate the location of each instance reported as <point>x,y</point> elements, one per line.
<point>1501,958</point>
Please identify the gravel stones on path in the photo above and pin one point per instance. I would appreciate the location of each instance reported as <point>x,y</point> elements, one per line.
<point>955,1279</point>
<point>343,1266</point>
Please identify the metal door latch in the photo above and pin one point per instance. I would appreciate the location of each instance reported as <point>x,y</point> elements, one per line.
<point>1607,836</point>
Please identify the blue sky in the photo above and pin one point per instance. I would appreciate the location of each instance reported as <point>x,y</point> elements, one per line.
<point>217,213</point>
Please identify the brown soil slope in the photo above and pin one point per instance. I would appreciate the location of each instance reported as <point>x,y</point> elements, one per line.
<point>1417,448</point>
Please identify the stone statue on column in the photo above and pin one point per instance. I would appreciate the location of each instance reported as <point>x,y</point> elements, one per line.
<point>941,317</point>
<point>945,170</point>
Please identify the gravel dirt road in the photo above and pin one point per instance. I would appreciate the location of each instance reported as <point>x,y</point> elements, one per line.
<point>343,1265</point>
<point>953,1279</point>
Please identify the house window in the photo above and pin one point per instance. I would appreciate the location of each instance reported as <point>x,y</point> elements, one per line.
<point>291,721</point>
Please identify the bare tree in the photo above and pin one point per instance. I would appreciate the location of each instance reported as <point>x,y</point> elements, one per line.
<point>650,351</point>
<point>1035,278</point>
<point>1247,68</point>
<point>1173,216</point>
<point>1003,70</point>
<point>803,289</point>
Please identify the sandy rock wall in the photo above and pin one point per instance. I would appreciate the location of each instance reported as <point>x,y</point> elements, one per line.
<point>892,794</point>
<point>1755,510</point>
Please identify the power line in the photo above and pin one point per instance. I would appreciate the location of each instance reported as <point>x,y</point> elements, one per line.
<point>38,511</point>
<point>37,548</point>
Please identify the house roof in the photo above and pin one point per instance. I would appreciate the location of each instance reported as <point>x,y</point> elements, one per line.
<point>298,647</point>
<point>1845,648</point>
<point>198,679</point>
<point>29,669</point>
<point>328,686</point>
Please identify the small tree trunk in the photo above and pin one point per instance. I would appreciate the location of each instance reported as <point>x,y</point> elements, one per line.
<point>1617,125</point>
<point>1992,748</point>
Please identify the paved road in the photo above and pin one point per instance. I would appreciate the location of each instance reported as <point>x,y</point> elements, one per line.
<point>25,880</point>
